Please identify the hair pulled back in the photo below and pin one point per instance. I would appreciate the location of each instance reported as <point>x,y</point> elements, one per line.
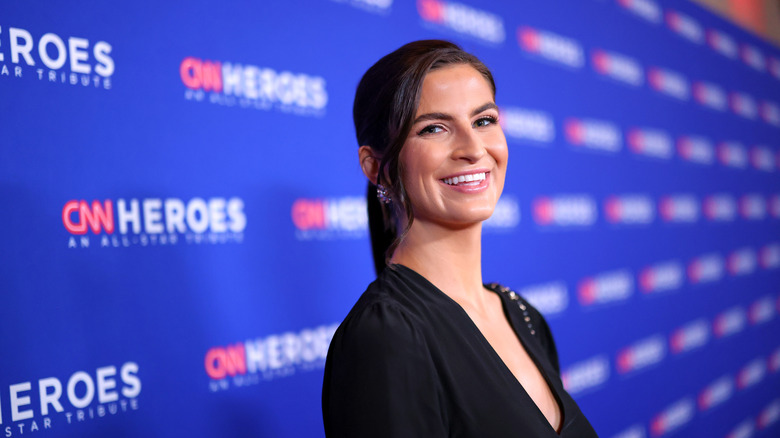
<point>385,105</point>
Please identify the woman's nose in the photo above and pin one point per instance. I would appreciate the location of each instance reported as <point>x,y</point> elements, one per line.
<point>469,146</point>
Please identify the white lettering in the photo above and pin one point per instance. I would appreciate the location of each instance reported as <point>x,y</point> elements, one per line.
<point>174,215</point>
<point>548,298</point>
<point>197,215</point>
<point>124,216</point>
<point>17,402</point>
<point>152,216</point>
<point>57,62</point>
<point>80,376</point>
<point>105,384</point>
<point>217,215</point>
<point>560,49</point>
<point>129,377</point>
<point>235,211</point>
<point>77,51</point>
<point>613,286</point>
<point>105,66</point>
<point>647,9</point>
<point>528,124</point>
<point>21,49</point>
<point>50,399</point>
<point>586,374</point>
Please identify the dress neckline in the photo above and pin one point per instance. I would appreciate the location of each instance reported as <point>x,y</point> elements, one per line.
<point>523,342</point>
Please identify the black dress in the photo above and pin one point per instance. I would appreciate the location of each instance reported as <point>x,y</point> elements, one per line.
<point>408,362</point>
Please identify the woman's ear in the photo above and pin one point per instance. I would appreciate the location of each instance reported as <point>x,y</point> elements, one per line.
<point>369,162</point>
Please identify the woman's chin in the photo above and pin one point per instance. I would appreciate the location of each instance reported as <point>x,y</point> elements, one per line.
<point>471,218</point>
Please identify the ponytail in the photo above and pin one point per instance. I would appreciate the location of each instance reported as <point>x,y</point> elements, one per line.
<point>382,232</point>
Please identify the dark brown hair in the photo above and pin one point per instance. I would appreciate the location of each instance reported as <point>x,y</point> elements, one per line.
<point>386,102</point>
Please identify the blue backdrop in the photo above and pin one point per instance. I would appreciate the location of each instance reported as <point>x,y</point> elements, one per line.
<point>183,222</point>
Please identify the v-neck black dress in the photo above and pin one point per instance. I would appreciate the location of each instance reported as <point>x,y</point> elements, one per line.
<point>408,362</point>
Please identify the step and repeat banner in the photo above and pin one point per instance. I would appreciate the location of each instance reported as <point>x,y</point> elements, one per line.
<point>183,215</point>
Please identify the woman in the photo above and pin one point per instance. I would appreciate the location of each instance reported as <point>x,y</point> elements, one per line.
<point>428,350</point>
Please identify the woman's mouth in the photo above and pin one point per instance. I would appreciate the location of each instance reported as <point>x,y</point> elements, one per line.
<point>469,179</point>
<point>469,183</point>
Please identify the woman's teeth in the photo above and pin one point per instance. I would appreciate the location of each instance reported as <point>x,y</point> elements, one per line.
<point>472,178</point>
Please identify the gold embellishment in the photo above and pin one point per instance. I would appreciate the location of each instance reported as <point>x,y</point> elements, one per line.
<point>515,297</point>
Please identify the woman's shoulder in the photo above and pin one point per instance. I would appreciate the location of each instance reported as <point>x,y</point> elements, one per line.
<point>379,333</point>
<point>519,301</point>
<point>380,316</point>
<point>379,377</point>
<point>531,318</point>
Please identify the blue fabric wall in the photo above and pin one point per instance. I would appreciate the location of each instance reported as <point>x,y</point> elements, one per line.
<point>183,219</point>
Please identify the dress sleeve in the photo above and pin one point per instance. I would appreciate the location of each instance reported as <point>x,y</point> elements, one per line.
<point>380,380</point>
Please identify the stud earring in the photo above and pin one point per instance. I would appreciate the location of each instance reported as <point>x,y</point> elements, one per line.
<point>381,193</point>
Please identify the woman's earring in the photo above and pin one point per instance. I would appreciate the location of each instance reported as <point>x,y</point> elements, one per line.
<point>381,193</point>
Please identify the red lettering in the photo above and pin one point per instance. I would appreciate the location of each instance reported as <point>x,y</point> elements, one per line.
<point>528,39</point>
<point>613,210</point>
<point>657,427</point>
<point>212,76</point>
<point>73,228</point>
<point>197,74</point>
<point>431,10</point>
<point>225,361</point>
<point>668,211</point>
<point>655,78</point>
<point>601,61</point>
<point>308,214</point>
<point>693,271</point>
<point>215,363</point>
<point>587,291</point>
<point>678,341</point>
<point>191,72</point>
<point>236,359</point>
<point>625,361</point>
<point>647,280</point>
<point>543,211</point>
<point>575,131</point>
<point>98,216</point>
<point>636,140</point>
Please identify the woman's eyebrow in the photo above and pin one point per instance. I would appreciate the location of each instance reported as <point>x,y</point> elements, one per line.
<point>432,116</point>
<point>443,116</point>
<point>487,106</point>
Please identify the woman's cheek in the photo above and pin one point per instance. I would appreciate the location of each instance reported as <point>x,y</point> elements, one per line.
<point>500,153</point>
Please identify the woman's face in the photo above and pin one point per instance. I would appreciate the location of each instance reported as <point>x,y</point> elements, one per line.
<point>454,159</point>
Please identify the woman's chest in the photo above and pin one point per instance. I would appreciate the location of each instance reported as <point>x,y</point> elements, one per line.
<point>485,394</point>
<point>501,337</point>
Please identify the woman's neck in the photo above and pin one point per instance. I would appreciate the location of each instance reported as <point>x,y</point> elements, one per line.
<point>450,259</point>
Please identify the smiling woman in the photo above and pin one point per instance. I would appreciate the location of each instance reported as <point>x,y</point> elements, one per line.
<point>429,350</point>
<point>455,139</point>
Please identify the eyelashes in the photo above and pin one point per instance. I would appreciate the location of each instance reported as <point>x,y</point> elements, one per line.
<point>479,123</point>
<point>491,119</point>
<point>430,129</point>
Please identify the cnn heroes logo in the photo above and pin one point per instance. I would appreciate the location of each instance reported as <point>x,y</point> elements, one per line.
<point>54,58</point>
<point>50,401</point>
<point>346,217</point>
<point>249,86</point>
<point>154,221</point>
<point>375,6</point>
<point>465,20</point>
<point>267,358</point>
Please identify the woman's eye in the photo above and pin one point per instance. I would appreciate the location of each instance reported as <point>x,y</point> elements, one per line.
<point>485,121</point>
<point>430,129</point>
